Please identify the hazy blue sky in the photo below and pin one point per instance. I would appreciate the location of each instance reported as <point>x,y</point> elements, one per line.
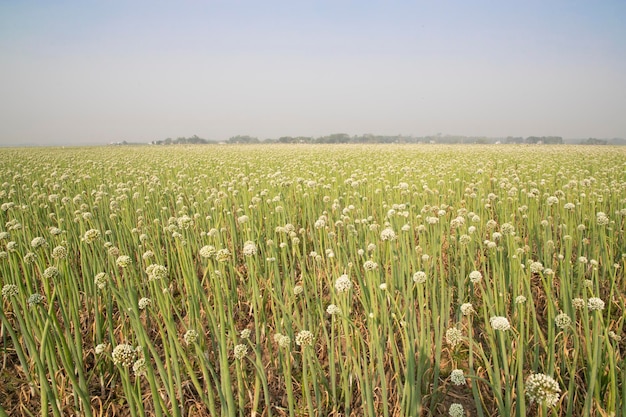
<point>99,71</point>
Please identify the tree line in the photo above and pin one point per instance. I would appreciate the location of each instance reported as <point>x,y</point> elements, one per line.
<point>370,138</point>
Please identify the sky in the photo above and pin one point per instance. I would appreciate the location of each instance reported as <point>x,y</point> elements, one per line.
<point>94,72</point>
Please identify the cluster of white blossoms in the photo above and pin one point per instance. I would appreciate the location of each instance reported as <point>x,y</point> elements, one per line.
<point>101,280</point>
<point>465,239</point>
<point>457,222</point>
<point>602,219</point>
<point>7,206</point>
<point>124,261</point>
<point>245,333</point>
<point>595,303</point>
<point>51,272</point>
<point>520,299</point>
<point>536,267</point>
<point>343,284</point>
<point>91,235</point>
<point>419,277</point>
<point>249,248</point>
<point>190,336</point>
<point>38,242</point>
<point>112,250</point>
<point>490,244</point>
<point>9,290</point>
<point>457,377</point>
<point>282,340</point>
<point>144,303</point>
<point>453,336</point>
<point>13,225</point>
<point>562,321</point>
<point>100,348</point>
<point>370,265</point>
<point>507,229</point>
<point>139,367</point>
<point>222,255</point>
<point>184,222</point>
<point>29,258</point>
<point>332,309</point>
<point>456,410</point>
<point>475,277</point>
<point>387,234</point>
<point>59,252</point>
<point>240,351</point>
<point>552,200</point>
<point>432,220</point>
<point>500,323</point>
<point>542,389</point>
<point>35,299</point>
<point>304,338</point>
<point>11,246</point>
<point>207,251</point>
<point>298,289</point>
<point>124,354</point>
<point>467,309</point>
<point>156,272</point>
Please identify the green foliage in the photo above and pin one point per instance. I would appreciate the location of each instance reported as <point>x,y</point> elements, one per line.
<point>193,140</point>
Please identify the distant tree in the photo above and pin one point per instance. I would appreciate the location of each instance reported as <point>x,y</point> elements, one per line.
<point>545,139</point>
<point>512,139</point>
<point>552,140</point>
<point>594,141</point>
<point>181,140</point>
<point>335,138</point>
<point>196,140</point>
<point>243,139</point>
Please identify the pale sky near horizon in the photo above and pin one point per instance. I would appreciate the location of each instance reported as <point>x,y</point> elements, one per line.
<point>92,72</point>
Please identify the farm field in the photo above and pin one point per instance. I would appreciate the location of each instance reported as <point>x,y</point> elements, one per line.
<point>378,280</point>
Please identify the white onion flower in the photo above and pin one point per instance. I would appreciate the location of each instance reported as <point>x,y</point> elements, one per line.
<point>542,389</point>
<point>500,323</point>
<point>343,284</point>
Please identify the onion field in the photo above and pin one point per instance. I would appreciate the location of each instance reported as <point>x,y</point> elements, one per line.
<point>313,280</point>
